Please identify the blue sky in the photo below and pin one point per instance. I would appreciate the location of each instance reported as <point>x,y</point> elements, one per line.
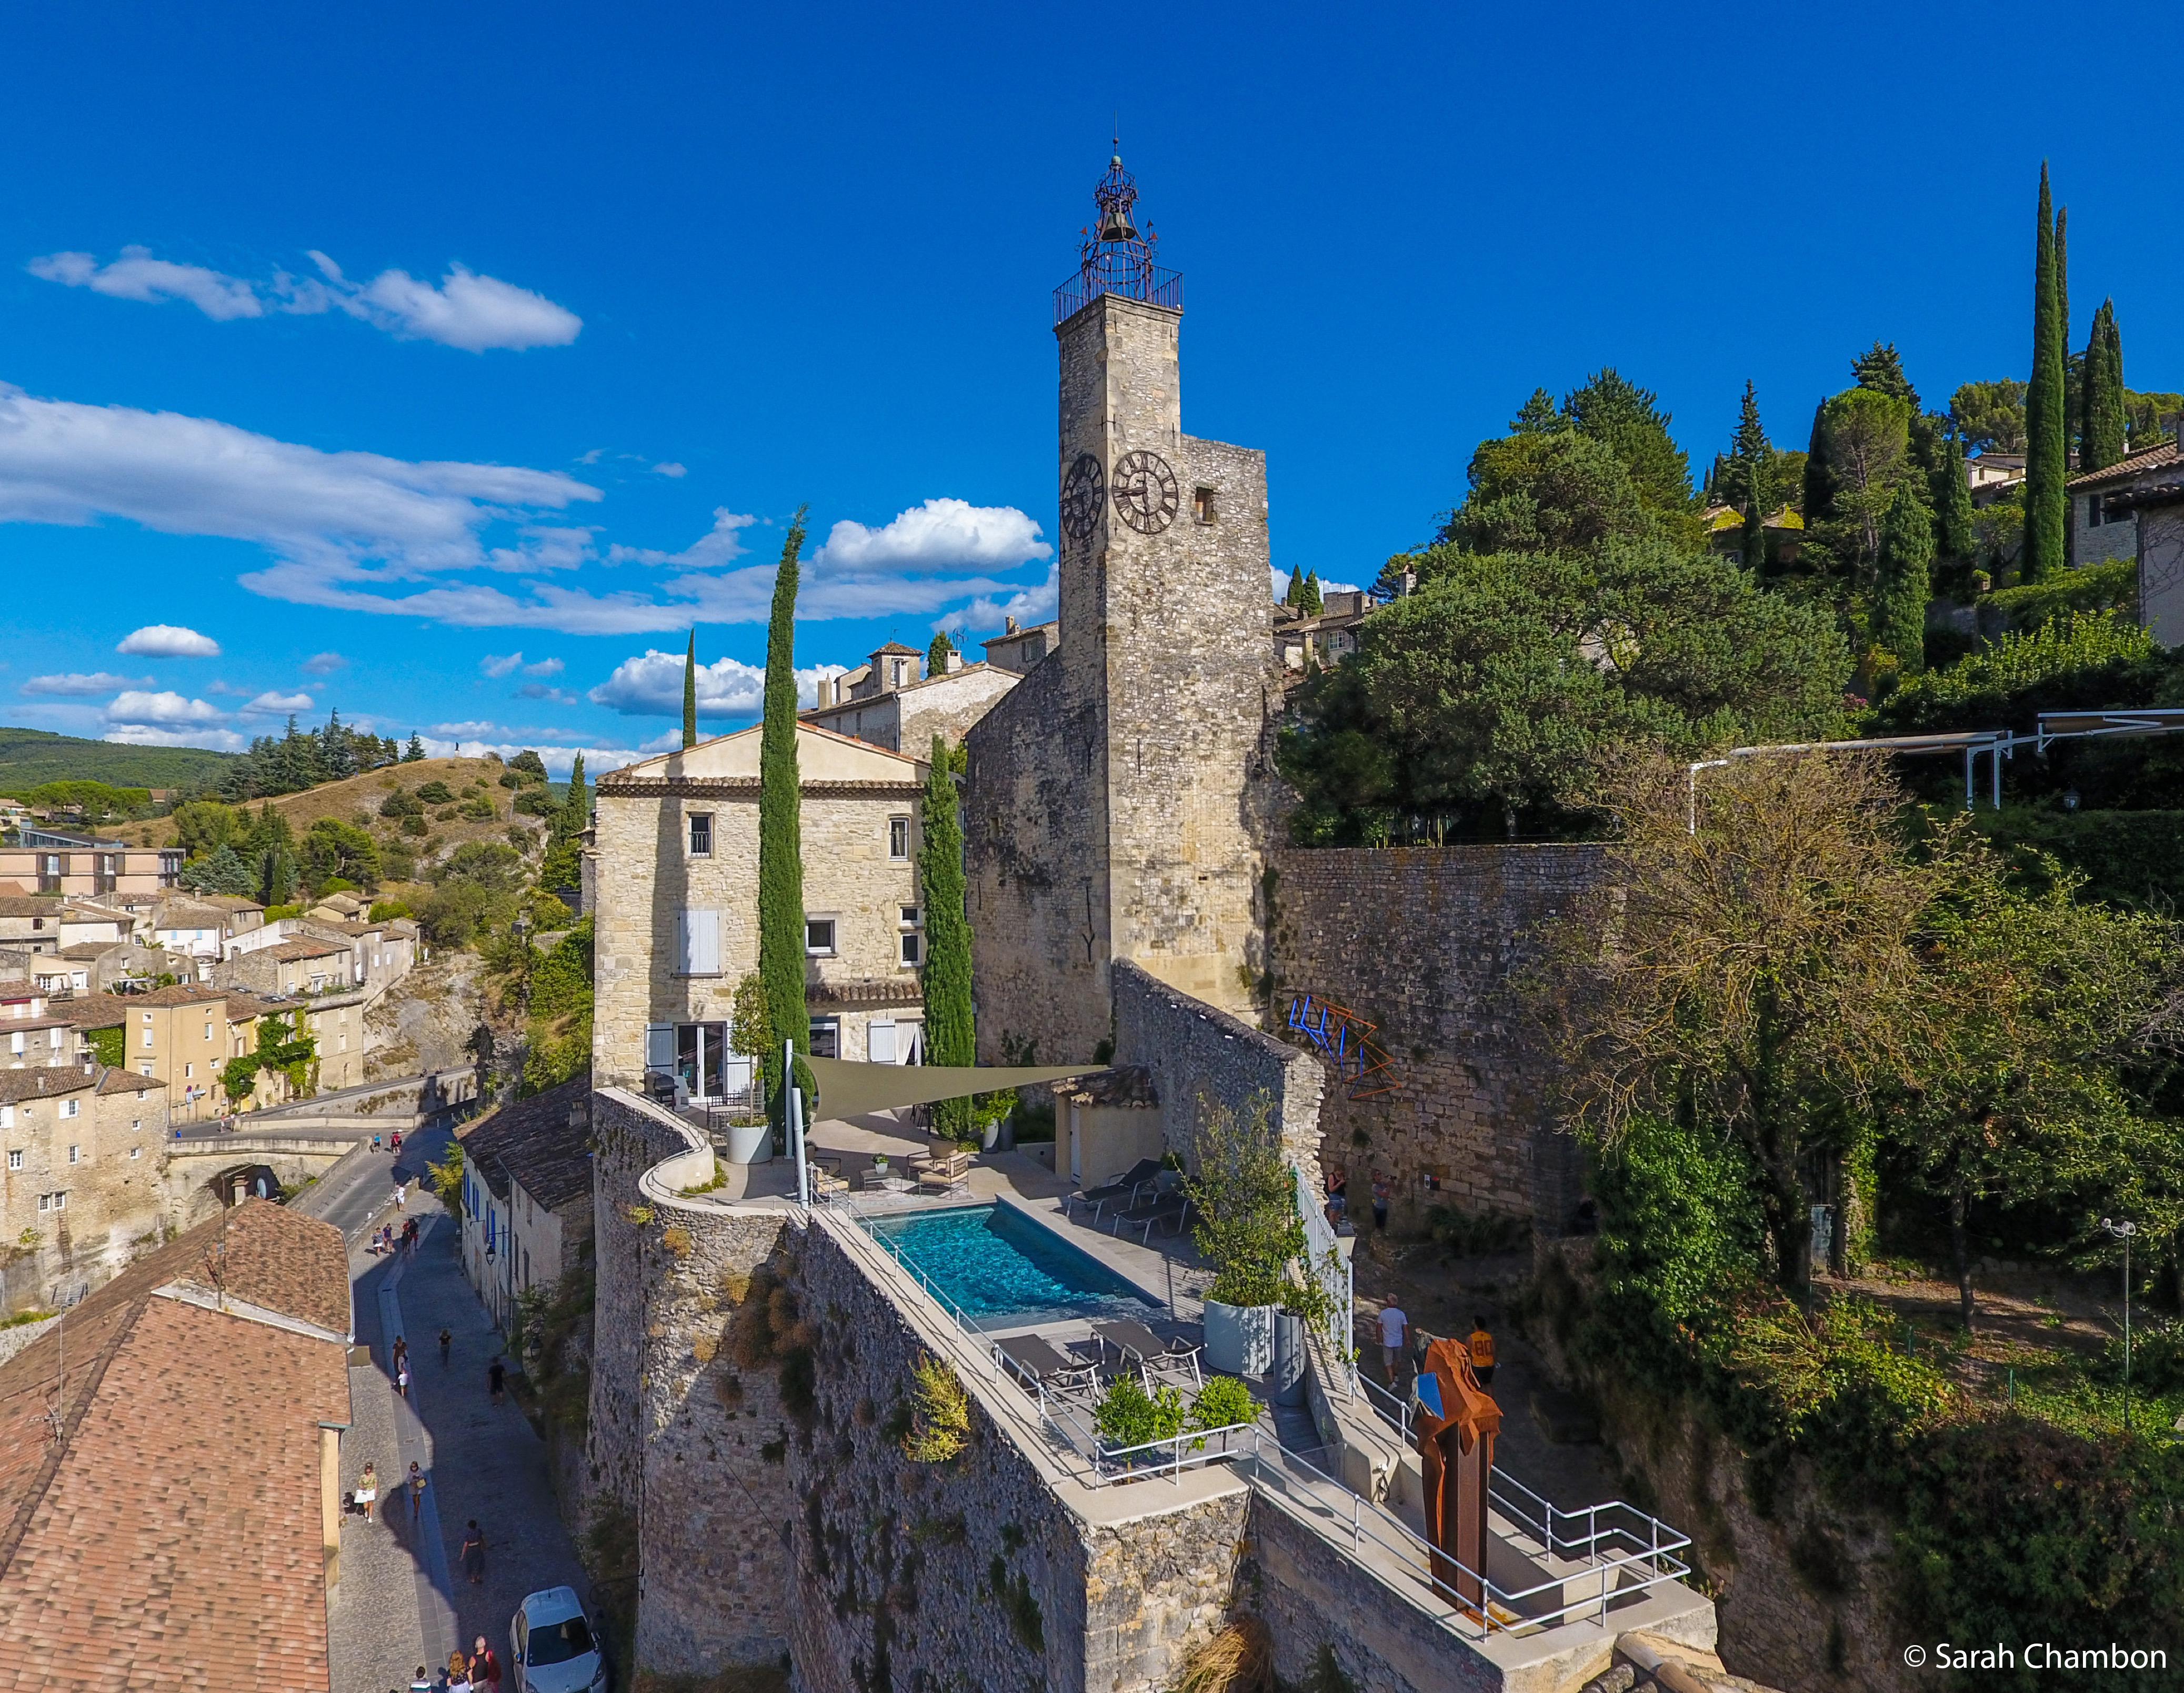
<point>439,364</point>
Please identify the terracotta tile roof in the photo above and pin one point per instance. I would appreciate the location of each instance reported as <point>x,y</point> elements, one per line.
<point>120,1081</point>
<point>95,1011</point>
<point>181,994</point>
<point>174,1539</point>
<point>2153,459</point>
<point>29,905</point>
<point>534,1141</point>
<point>44,1082</point>
<point>295,951</point>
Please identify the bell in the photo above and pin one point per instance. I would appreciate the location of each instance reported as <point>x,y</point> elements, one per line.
<point>1116,225</point>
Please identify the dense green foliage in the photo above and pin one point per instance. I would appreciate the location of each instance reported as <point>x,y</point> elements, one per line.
<point>1496,691</point>
<point>283,1044</point>
<point>936,653</point>
<point>559,1032</point>
<point>1990,416</point>
<point>2102,420</point>
<point>1244,1197</point>
<point>781,832</point>
<point>333,849</point>
<point>2004,685</point>
<point>950,1036</point>
<point>2046,419</point>
<point>29,757</point>
<point>304,758</point>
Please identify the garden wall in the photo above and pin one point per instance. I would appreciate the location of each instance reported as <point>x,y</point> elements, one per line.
<point>1429,945</point>
<point>1196,1053</point>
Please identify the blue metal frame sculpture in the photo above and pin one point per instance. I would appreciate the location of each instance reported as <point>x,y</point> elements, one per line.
<point>1346,1040</point>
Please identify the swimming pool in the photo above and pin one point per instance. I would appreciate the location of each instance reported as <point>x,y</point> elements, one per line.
<point>1001,1268</point>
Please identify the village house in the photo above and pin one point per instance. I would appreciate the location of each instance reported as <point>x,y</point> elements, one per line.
<point>677,917</point>
<point>30,922</point>
<point>888,702</point>
<point>32,1034</point>
<point>1990,476</point>
<point>299,964</point>
<point>54,862</point>
<point>81,1188</point>
<point>186,1532</point>
<point>1325,640</point>
<point>528,1195</point>
<point>2134,510</point>
<point>1016,650</point>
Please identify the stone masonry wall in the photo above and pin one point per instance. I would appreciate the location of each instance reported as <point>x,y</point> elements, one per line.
<point>681,1435</point>
<point>1197,1053</point>
<point>1429,943</point>
<point>973,1574</point>
<point>1310,1595</point>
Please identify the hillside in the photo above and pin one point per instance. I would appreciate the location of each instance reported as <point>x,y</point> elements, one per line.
<point>357,799</point>
<point>31,756</point>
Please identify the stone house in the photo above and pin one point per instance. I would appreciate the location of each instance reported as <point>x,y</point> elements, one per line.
<point>217,1412</point>
<point>527,1195</point>
<point>100,966</point>
<point>200,929</point>
<point>907,714</point>
<point>1323,641</point>
<point>54,862</point>
<point>1018,649</point>
<point>2135,509</point>
<point>82,1187</point>
<point>32,1033</point>
<point>298,964</point>
<point>30,922</point>
<point>1990,476</point>
<point>677,909</point>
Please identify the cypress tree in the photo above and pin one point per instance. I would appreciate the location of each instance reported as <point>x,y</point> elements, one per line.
<point>575,810</point>
<point>1904,580</point>
<point>1951,501</point>
<point>2047,429</point>
<point>1294,594</point>
<point>2101,433</point>
<point>414,752</point>
<point>1308,597</point>
<point>781,832</point>
<point>1819,499</point>
<point>949,1038</point>
<point>690,692</point>
<point>1752,461</point>
<point>936,655</point>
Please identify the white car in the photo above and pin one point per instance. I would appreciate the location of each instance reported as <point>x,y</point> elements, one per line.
<point>551,1645</point>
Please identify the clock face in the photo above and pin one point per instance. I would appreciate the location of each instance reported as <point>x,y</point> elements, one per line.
<point>1144,491</point>
<point>1081,492</point>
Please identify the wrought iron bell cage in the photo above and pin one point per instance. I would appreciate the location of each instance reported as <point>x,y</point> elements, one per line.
<point>1117,255</point>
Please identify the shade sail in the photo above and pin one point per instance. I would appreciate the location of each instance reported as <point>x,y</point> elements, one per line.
<point>851,1089</point>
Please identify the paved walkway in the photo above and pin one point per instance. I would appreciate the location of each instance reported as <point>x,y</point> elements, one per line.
<point>404,1600</point>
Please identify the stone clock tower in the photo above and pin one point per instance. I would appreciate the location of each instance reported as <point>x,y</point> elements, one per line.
<point>1111,803</point>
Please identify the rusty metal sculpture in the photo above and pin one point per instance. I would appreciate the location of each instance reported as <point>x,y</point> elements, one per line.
<point>1345,1039</point>
<point>1457,1423</point>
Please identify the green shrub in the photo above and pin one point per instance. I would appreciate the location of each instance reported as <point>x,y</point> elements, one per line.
<point>1126,1416</point>
<point>413,824</point>
<point>385,911</point>
<point>479,809</point>
<point>2134,859</point>
<point>535,802</point>
<point>2047,668</point>
<point>2090,588</point>
<point>400,805</point>
<point>1223,1403</point>
<point>435,793</point>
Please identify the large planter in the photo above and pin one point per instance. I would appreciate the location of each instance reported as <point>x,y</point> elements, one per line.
<point>1240,1338</point>
<point>750,1143</point>
<point>1286,1381</point>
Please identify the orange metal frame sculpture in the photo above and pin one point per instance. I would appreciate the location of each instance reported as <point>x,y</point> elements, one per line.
<point>1457,1423</point>
<point>1346,1040</point>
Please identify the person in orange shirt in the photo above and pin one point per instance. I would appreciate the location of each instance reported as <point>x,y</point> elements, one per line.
<point>1481,1345</point>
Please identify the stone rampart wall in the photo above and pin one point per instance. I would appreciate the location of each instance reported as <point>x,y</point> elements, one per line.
<point>1430,944</point>
<point>1197,1053</point>
<point>681,1435</point>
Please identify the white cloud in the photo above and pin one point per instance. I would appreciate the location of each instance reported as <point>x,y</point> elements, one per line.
<point>147,735</point>
<point>1028,606</point>
<point>323,664</point>
<point>544,667</point>
<point>468,742</point>
<point>652,687</point>
<point>274,705</point>
<point>678,472</point>
<point>500,663</point>
<point>470,730</point>
<point>708,551</point>
<point>76,686</point>
<point>940,535</point>
<point>137,275</point>
<point>153,640</point>
<point>169,707</point>
<point>221,685</point>
<point>464,309</point>
<point>539,690</point>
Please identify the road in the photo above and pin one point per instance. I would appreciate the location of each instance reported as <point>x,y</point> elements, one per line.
<point>353,1194</point>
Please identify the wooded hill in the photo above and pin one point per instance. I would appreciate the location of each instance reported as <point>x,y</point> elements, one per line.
<point>31,756</point>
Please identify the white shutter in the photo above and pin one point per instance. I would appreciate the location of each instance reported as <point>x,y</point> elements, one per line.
<point>660,1046</point>
<point>701,942</point>
<point>879,1043</point>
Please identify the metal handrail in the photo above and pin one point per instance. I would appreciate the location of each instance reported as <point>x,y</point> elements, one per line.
<point>1393,1410</point>
<point>1325,1263</point>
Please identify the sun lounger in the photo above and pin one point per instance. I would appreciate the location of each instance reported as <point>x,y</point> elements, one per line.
<point>1132,1339</point>
<point>1167,1211</point>
<point>1036,1362</point>
<point>1122,1191</point>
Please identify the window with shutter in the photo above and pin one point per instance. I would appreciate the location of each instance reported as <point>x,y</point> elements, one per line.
<point>660,1046</point>
<point>701,942</point>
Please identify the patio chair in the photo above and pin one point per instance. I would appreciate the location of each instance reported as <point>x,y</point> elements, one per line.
<point>1122,1189</point>
<point>943,1173</point>
<point>1132,1339</point>
<point>1165,1208</point>
<point>1035,1362</point>
<point>825,1183</point>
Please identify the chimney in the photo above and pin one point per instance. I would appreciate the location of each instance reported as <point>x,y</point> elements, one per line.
<point>953,662</point>
<point>1011,628</point>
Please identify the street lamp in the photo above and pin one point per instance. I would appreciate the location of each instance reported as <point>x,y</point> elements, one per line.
<point>2123,1232</point>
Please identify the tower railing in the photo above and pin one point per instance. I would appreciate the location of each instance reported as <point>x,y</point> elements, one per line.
<point>1124,276</point>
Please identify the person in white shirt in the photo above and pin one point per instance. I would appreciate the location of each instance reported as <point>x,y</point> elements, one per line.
<point>1394,1334</point>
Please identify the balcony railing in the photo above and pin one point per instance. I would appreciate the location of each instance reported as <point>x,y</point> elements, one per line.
<point>1118,273</point>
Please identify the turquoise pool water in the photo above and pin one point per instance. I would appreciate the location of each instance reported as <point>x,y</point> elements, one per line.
<point>997,1265</point>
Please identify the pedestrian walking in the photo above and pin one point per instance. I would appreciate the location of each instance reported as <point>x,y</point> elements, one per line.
<point>1381,1190</point>
<point>474,1554</point>
<point>485,1667</point>
<point>421,1682</point>
<point>496,1378</point>
<point>1481,1347</point>
<point>416,1491</point>
<point>402,1381</point>
<point>459,1671</point>
<point>374,1143</point>
<point>401,1197</point>
<point>447,1340</point>
<point>367,1491</point>
<point>401,1352</point>
<point>1394,1327</point>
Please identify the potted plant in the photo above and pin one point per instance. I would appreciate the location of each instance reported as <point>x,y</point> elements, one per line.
<point>1249,1230</point>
